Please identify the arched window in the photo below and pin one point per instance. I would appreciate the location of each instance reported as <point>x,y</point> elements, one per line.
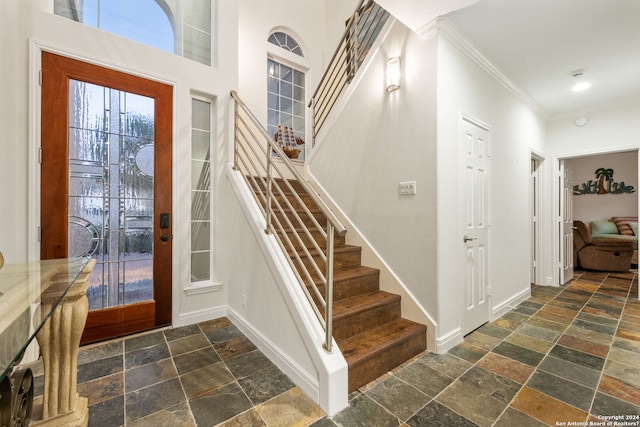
<point>285,41</point>
<point>286,98</point>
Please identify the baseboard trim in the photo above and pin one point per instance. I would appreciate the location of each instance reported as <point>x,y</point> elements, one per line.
<point>505,306</point>
<point>448,341</point>
<point>287,365</point>
<point>198,316</point>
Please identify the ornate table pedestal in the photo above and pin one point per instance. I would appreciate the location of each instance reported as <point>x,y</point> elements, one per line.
<point>59,341</point>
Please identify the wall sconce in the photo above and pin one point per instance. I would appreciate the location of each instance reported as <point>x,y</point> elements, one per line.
<point>393,73</point>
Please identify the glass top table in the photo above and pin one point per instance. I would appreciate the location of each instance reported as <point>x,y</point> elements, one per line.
<point>21,288</point>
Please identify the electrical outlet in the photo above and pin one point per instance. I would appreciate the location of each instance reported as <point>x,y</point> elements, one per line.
<point>407,188</point>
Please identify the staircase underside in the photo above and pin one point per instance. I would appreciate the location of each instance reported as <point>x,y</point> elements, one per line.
<point>367,322</point>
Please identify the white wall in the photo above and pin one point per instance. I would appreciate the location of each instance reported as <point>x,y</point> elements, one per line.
<point>589,207</point>
<point>465,87</point>
<point>304,20</point>
<point>27,26</point>
<point>13,141</point>
<point>381,139</point>
<point>614,129</point>
<point>338,11</point>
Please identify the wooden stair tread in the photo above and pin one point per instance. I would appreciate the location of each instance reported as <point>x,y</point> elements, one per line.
<point>350,273</point>
<point>368,344</point>
<point>338,249</point>
<point>352,305</point>
<point>300,210</point>
<point>338,240</point>
<point>354,272</point>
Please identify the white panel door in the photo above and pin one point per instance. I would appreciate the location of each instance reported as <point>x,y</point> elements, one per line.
<point>566,223</point>
<point>475,193</point>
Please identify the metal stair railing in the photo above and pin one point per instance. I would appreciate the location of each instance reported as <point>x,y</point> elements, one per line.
<point>254,155</point>
<point>361,32</point>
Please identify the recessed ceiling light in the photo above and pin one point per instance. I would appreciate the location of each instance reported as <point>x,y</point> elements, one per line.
<point>581,121</point>
<point>580,86</point>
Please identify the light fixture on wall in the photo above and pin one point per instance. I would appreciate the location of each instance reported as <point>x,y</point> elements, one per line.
<point>393,74</point>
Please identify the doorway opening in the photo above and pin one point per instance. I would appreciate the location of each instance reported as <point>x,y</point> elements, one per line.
<point>536,161</point>
<point>604,187</point>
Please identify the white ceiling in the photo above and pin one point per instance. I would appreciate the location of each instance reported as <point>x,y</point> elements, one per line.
<point>538,44</point>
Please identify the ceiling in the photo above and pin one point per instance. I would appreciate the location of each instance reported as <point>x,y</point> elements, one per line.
<point>539,44</point>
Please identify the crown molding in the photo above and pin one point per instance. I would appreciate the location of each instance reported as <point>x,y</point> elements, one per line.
<point>428,30</point>
<point>444,27</point>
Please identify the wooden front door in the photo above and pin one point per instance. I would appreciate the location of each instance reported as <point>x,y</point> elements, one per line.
<point>106,189</point>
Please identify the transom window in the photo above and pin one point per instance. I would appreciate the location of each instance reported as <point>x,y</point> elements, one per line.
<point>285,41</point>
<point>151,22</point>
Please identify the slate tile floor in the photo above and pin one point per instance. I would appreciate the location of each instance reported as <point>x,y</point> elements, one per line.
<point>567,354</point>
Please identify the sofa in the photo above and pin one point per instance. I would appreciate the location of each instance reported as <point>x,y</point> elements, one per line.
<point>600,254</point>
<point>619,228</point>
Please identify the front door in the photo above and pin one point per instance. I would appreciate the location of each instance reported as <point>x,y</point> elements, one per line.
<point>106,189</point>
<point>475,208</point>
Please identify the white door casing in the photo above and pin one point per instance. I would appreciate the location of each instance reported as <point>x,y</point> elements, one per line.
<point>565,223</point>
<point>475,211</point>
<point>534,219</point>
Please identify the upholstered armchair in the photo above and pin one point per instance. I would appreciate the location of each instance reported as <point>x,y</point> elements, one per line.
<point>600,254</point>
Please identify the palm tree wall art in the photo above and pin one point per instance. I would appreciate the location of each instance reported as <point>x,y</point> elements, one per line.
<point>604,184</point>
<point>602,174</point>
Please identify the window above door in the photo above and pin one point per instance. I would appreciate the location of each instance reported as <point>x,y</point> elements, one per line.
<point>183,27</point>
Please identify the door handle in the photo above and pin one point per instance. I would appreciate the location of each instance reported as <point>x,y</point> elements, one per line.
<point>469,239</point>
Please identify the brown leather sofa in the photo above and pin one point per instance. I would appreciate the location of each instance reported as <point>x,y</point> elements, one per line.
<point>600,254</point>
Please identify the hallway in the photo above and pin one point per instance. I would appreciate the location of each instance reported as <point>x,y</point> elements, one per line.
<point>567,354</point>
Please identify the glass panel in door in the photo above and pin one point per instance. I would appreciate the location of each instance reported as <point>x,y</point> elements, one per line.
<point>111,193</point>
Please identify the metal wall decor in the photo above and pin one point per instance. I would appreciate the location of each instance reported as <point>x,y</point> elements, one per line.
<point>604,184</point>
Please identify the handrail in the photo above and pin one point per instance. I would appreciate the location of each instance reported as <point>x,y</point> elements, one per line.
<point>340,229</point>
<point>253,157</point>
<point>361,31</point>
<point>337,51</point>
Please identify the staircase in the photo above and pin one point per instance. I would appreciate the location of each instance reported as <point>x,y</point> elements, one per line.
<point>367,323</point>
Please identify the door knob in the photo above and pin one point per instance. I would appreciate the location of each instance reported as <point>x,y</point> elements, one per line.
<point>469,239</point>
<point>164,237</point>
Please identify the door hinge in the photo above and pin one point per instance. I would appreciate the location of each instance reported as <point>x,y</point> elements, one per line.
<point>40,155</point>
<point>39,234</point>
<point>40,77</point>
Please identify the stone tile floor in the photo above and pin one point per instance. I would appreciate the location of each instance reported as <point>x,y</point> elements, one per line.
<point>566,355</point>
